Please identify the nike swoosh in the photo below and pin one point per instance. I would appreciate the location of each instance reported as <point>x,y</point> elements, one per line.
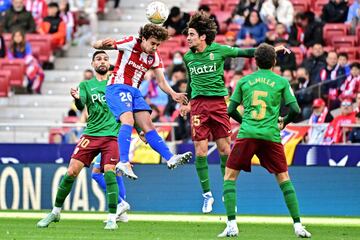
<point>92,89</point>
<point>204,180</point>
<point>113,160</point>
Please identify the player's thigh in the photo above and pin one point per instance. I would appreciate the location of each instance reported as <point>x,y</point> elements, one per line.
<point>109,153</point>
<point>241,154</point>
<point>119,99</point>
<point>139,103</point>
<point>143,120</point>
<point>219,118</point>
<point>272,156</point>
<point>200,129</point>
<point>201,147</point>
<point>74,167</point>
<point>223,145</point>
<point>87,149</point>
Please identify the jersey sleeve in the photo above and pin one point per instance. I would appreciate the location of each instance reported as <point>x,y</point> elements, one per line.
<point>288,94</point>
<point>229,51</point>
<point>237,94</point>
<point>158,63</point>
<point>124,43</point>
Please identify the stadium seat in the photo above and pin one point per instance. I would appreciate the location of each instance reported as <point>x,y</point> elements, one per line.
<point>215,5</point>
<point>220,38</point>
<point>331,30</point>
<point>358,34</point>
<point>318,6</point>
<point>4,83</point>
<point>164,52</point>
<point>299,55</point>
<point>222,17</point>
<point>352,52</point>
<point>53,132</point>
<point>234,27</point>
<point>300,5</point>
<point>41,46</point>
<point>17,68</point>
<point>344,41</point>
<point>230,5</point>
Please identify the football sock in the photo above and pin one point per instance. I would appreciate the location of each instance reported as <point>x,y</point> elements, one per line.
<point>291,200</point>
<point>121,186</point>
<point>112,191</point>
<point>229,195</point>
<point>203,172</point>
<point>124,140</point>
<point>158,144</point>
<point>63,190</point>
<point>223,159</point>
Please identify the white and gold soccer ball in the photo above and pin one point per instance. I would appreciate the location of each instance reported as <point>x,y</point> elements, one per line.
<point>157,12</point>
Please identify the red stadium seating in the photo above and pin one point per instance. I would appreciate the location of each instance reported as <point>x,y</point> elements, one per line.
<point>164,52</point>
<point>220,38</point>
<point>300,5</point>
<point>222,16</point>
<point>299,55</point>
<point>53,132</point>
<point>41,46</point>
<point>4,83</point>
<point>230,5</point>
<point>343,41</point>
<point>358,34</point>
<point>215,5</point>
<point>318,5</point>
<point>17,68</point>
<point>352,52</point>
<point>332,30</point>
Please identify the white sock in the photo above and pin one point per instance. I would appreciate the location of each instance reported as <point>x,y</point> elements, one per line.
<point>112,217</point>
<point>297,225</point>
<point>56,210</point>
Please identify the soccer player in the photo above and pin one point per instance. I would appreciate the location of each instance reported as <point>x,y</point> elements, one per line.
<point>136,56</point>
<point>206,89</point>
<point>123,206</point>
<point>100,136</point>
<point>261,94</point>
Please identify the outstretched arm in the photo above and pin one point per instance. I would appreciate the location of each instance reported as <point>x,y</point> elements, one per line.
<point>293,112</point>
<point>163,84</point>
<point>105,44</point>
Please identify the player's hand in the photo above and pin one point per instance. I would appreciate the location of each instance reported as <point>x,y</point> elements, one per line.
<point>184,110</point>
<point>180,98</point>
<point>75,93</point>
<point>142,137</point>
<point>108,42</point>
<point>281,123</point>
<point>282,48</point>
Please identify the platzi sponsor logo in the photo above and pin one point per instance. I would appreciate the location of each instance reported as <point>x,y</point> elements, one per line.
<point>203,69</point>
<point>98,97</point>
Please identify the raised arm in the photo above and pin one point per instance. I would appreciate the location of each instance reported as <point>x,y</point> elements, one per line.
<point>105,44</point>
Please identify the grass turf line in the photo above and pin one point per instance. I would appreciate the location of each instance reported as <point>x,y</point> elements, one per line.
<point>17,228</point>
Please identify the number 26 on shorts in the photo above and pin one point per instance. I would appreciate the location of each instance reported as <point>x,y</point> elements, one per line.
<point>125,97</point>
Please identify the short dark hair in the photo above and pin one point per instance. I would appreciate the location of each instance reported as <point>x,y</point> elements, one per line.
<point>357,115</point>
<point>174,12</point>
<point>153,30</point>
<point>96,53</point>
<point>355,64</point>
<point>343,54</point>
<point>265,56</point>
<point>204,7</point>
<point>204,25</point>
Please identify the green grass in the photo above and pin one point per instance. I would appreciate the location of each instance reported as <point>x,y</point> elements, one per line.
<point>18,228</point>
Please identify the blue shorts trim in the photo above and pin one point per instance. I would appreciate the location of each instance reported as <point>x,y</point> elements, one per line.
<point>123,98</point>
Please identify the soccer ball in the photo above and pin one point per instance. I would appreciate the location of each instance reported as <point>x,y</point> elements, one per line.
<point>157,12</point>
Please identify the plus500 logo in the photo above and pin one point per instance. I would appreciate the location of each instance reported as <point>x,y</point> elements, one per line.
<point>97,97</point>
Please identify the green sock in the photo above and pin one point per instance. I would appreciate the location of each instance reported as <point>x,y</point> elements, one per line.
<point>291,200</point>
<point>223,159</point>
<point>63,190</point>
<point>230,199</point>
<point>112,190</point>
<point>202,170</point>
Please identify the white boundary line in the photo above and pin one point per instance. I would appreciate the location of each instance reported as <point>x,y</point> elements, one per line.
<point>190,218</point>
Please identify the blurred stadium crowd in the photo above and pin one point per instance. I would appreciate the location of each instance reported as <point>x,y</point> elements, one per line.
<point>323,68</point>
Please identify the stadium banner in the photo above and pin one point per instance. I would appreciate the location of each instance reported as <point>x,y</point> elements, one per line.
<point>34,187</point>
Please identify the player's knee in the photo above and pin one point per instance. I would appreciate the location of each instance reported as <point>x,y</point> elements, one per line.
<point>72,172</point>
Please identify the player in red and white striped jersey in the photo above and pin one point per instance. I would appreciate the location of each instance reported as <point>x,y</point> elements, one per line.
<point>136,56</point>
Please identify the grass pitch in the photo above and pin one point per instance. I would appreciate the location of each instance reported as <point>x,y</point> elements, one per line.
<point>145,227</point>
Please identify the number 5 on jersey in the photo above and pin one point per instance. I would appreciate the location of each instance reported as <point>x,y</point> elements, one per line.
<point>257,101</point>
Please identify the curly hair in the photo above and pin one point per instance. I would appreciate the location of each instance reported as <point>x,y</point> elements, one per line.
<point>265,56</point>
<point>155,31</point>
<point>203,25</point>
